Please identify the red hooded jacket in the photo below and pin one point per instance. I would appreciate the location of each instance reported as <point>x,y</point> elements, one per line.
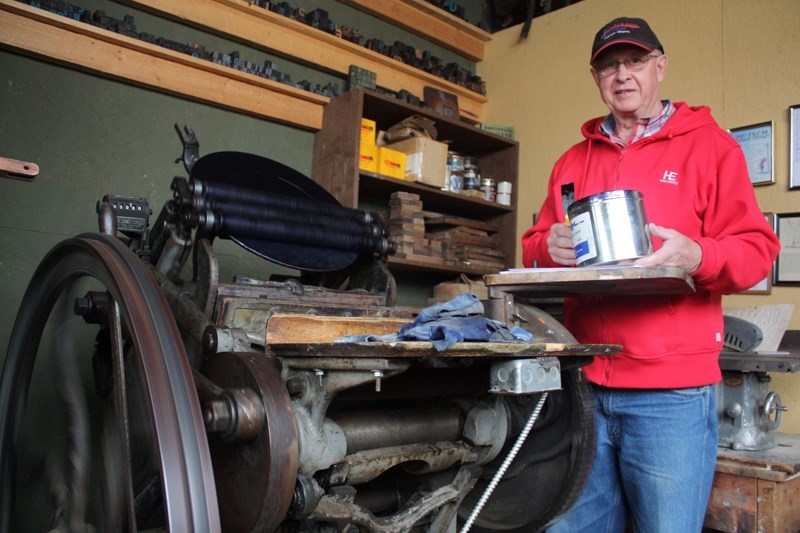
<point>693,177</point>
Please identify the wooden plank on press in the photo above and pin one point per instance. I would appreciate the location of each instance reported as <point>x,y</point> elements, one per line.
<point>300,329</point>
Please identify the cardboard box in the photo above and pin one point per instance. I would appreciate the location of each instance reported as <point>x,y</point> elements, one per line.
<point>391,163</point>
<point>426,160</point>
<point>368,158</point>
<point>368,132</point>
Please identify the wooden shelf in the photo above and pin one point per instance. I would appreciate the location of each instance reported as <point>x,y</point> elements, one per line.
<point>375,185</point>
<point>36,32</point>
<point>335,167</point>
<point>51,37</point>
<point>430,22</point>
<point>412,264</point>
<point>245,22</point>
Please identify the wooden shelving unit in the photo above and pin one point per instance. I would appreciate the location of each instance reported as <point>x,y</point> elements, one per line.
<point>243,21</point>
<point>58,39</point>
<point>36,32</point>
<point>335,167</point>
<point>432,23</point>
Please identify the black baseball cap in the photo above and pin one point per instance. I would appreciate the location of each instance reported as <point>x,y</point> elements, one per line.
<point>625,30</point>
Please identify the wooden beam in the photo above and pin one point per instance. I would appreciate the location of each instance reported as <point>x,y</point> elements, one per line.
<point>62,40</point>
<point>302,329</point>
<point>430,22</point>
<point>245,22</point>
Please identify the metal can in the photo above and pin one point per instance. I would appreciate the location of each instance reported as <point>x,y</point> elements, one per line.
<point>609,228</point>
<point>455,172</point>
<point>504,193</point>
<point>489,188</point>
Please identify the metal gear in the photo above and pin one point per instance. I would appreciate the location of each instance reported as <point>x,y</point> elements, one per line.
<point>164,454</point>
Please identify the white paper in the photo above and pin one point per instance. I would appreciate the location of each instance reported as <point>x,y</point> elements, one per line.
<point>772,319</point>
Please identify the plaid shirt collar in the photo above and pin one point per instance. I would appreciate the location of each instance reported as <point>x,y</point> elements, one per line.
<point>645,127</point>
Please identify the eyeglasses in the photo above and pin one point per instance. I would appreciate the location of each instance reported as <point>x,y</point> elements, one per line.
<point>633,64</point>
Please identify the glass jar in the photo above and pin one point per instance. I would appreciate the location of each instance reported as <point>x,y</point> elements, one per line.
<point>455,172</point>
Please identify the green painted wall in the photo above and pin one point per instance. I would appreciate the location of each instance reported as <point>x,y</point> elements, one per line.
<point>93,136</point>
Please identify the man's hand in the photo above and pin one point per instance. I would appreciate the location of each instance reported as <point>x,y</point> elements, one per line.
<point>678,250</point>
<point>559,244</point>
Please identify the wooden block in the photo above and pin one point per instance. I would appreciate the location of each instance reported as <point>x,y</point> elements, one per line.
<point>460,221</point>
<point>467,250</point>
<point>297,329</point>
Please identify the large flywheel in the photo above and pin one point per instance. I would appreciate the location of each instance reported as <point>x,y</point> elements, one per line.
<point>100,426</point>
<point>552,465</point>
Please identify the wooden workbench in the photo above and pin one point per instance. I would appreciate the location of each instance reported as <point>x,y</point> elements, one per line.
<point>757,491</point>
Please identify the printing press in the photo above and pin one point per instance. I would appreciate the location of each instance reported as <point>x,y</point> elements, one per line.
<point>141,392</point>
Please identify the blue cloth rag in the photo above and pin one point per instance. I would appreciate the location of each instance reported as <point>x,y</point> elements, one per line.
<point>459,319</point>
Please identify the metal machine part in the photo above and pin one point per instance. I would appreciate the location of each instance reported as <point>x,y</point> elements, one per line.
<point>215,428</point>
<point>236,180</point>
<point>551,467</point>
<point>142,388</point>
<point>748,411</point>
<point>525,376</point>
<point>741,335</point>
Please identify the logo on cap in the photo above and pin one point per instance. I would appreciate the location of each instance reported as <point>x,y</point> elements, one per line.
<point>622,27</point>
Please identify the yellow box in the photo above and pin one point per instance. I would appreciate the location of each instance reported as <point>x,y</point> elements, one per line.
<point>368,158</point>
<point>426,160</point>
<point>368,131</point>
<point>391,163</point>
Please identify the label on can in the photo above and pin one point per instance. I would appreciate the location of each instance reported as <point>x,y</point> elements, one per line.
<point>583,237</point>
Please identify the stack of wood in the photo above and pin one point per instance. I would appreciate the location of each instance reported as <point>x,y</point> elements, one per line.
<point>466,242</point>
<point>440,240</point>
<point>407,229</point>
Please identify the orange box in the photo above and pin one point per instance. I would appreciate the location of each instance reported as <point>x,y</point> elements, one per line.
<point>369,131</point>
<point>391,163</point>
<point>368,158</point>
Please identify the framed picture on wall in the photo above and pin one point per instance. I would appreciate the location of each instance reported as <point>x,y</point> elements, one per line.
<point>765,285</point>
<point>787,266</point>
<point>794,147</point>
<point>756,143</point>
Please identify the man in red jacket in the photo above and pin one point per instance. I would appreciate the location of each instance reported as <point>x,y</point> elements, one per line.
<point>655,410</point>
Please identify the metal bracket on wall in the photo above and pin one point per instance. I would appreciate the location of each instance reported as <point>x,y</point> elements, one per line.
<point>191,147</point>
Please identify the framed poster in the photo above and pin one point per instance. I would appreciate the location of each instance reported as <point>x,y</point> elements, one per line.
<point>765,285</point>
<point>756,143</point>
<point>787,266</point>
<point>794,147</point>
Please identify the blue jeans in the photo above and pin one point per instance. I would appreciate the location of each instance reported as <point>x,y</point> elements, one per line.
<point>654,462</point>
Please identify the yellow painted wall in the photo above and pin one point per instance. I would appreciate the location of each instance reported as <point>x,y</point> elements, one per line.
<point>737,56</point>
